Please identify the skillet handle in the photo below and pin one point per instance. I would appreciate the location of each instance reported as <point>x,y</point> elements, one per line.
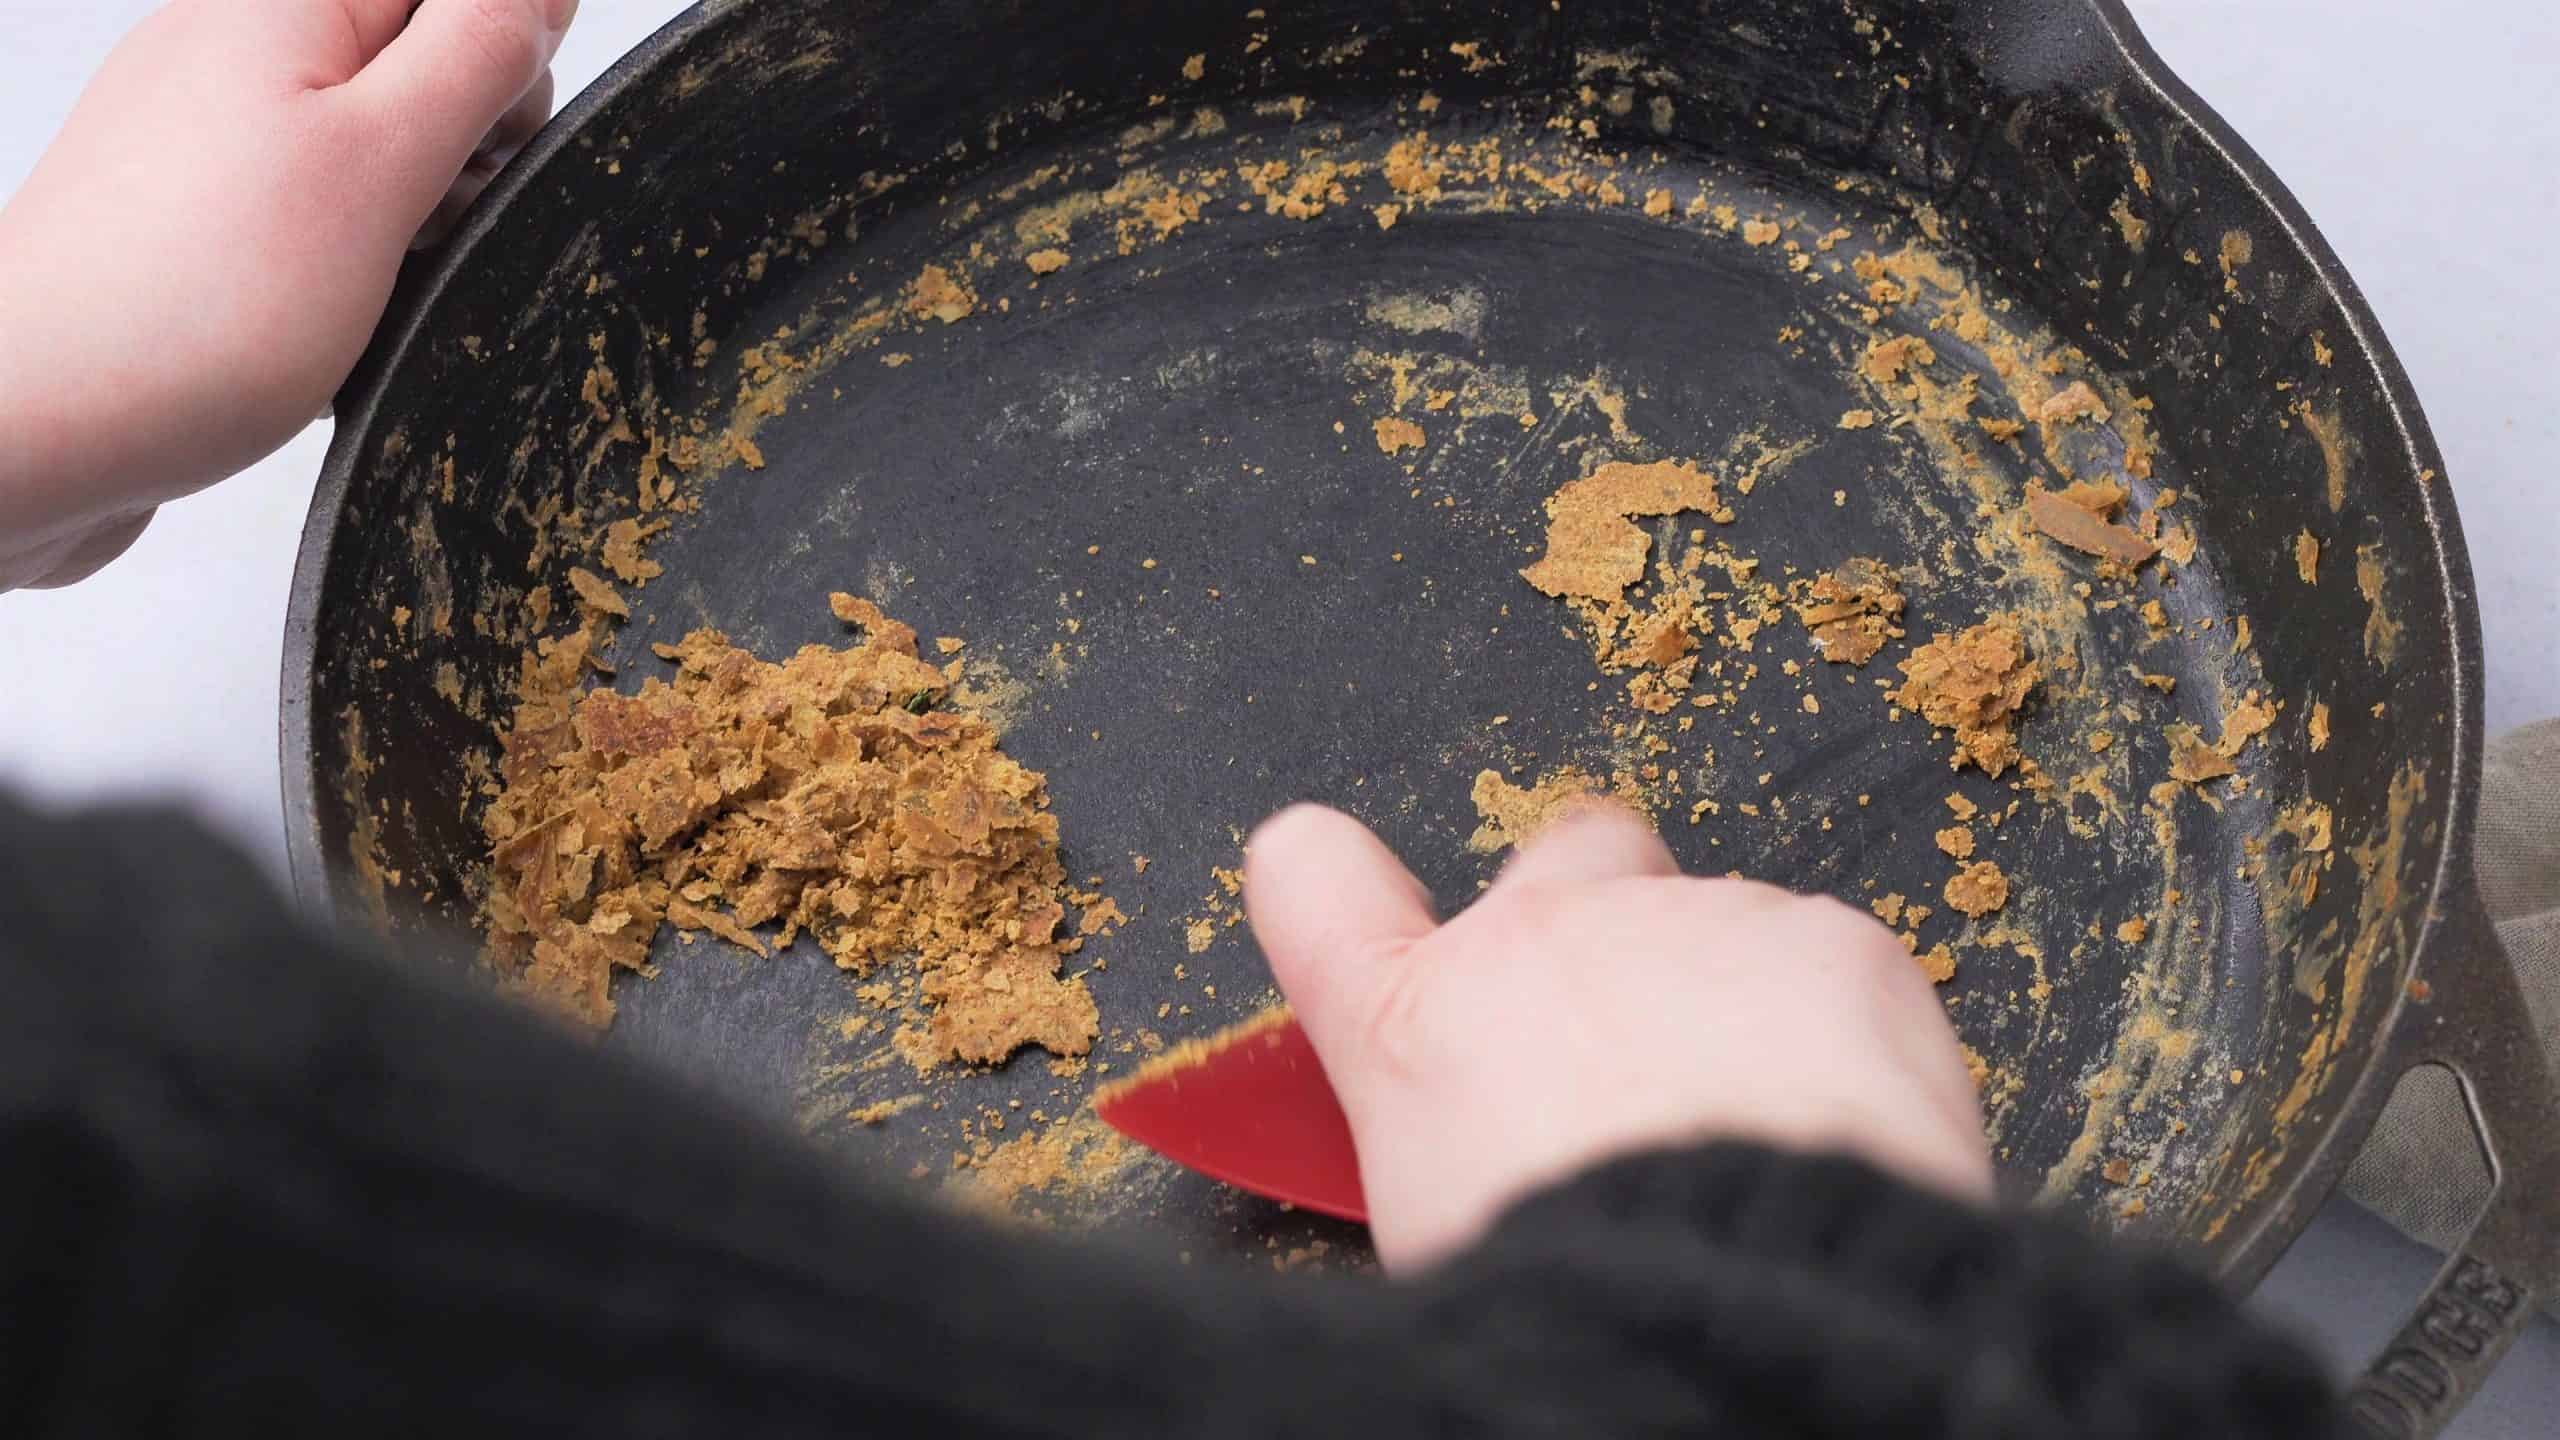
<point>2472,1020</point>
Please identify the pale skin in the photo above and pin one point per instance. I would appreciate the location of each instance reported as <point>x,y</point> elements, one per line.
<point>197,262</point>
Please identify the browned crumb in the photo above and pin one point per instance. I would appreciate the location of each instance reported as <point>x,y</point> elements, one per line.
<point>597,596</point>
<point>1857,419</point>
<point>1978,889</point>
<point>1594,548</point>
<point>884,1110</point>
<point>2134,931</point>
<point>1961,805</point>
<point>1047,262</point>
<point>1853,610</point>
<point>2075,401</point>
<point>1658,203</point>
<point>2249,719</point>
<point>1888,909</point>
<point>2191,759</point>
<point>1397,435</point>
<point>1938,963</point>
<point>1974,684</point>
<point>825,794</point>
<point>1759,232</point>
<point>2083,517</point>
<point>2118,1171</point>
<point>2306,557</point>
<point>1199,935</point>
<point>936,294</point>
<point>1411,169</point>
<point>1956,840</point>
<point>623,553</point>
<point>2319,727</point>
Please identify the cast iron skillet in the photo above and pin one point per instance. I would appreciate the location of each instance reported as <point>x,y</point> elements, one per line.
<point>1325,620</point>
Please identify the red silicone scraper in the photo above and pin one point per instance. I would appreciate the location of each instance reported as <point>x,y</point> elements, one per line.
<point>1249,1106</point>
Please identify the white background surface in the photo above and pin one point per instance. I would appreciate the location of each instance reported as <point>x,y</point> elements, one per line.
<point>2422,137</point>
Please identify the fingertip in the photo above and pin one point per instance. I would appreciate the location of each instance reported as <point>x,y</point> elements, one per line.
<point>1325,896</point>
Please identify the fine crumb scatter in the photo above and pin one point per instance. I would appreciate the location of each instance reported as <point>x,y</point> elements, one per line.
<point>1978,890</point>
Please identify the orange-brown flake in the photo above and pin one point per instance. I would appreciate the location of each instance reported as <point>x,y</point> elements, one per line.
<point>1956,840</point>
<point>1974,684</point>
<point>1978,889</point>
<point>1594,548</point>
<point>2191,759</point>
<point>1853,611</point>
<point>2083,517</point>
<point>936,294</point>
<point>2075,401</point>
<point>1396,435</point>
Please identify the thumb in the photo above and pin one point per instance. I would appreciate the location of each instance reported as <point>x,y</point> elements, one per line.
<point>444,82</point>
<point>1333,910</point>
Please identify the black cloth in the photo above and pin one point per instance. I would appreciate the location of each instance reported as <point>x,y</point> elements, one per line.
<point>250,1177</point>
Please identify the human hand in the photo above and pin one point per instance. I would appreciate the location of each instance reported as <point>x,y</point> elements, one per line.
<point>198,260</point>
<point>1592,1003</point>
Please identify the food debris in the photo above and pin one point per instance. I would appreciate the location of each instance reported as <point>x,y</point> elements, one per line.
<point>1938,963</point>
<point>2319,727</point>
<point>2191,759</point>
<point>1857,419</point>
<point>1397,435</point>
<point>826,794</point>
<point>2306,557</point>
<point>2075,401</point>
<point>1974,684</point>
<point>596,595</point>
<point>1759,232</point>
<point>1852,611</point>
<point>1956,840</point>
<point>2082,516</point>
<point>2134,931</point>
<point>936,294</point>
<point>1047,262</point>
<point>1978,890</point>
<point>1511,815</point>
<point>1594,548</point>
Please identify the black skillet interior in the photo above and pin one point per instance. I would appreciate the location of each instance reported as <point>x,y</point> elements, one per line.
<point>1325,620</point>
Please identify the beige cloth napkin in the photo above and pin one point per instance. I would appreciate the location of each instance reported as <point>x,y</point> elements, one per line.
<point>2422,1169</point>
